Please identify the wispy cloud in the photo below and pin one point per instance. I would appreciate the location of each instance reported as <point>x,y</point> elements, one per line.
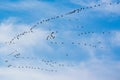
<point>38,7</point>
<point>84,71</point>
<point>9,29</point>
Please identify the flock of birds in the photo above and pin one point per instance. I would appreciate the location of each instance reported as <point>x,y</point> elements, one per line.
<point>52,36</point>
<point>57,17</point>
<point>87,33</point>
<point>51,64</point>
<point>33,68</point>
<point>85,44</point>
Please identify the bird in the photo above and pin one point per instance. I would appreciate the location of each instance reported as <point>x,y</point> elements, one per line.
<point>55,42</point>
<point>110,3</point>
<point>52,36</point>
<point>9,65</point>
<point>79,43</point>
<point>66,54</point>
<point>103,32</point>
<point>95,6</point>
<point>47,37</point>
<point>85,33</point>
<point>118,2</point>
<point>72,42</point>
<point>61,15</point>
<point>6,61</point>
<point>71,12</point>
<point>13,52</point>
<point>99,5</point>
<point>17,55</point>
<point>85,44</point>
<point>82,26</point>
<point>99,42</point>
<point>62,42</point>
<point>81,33</point>
<point>87,7</point>
<point>78,10</point>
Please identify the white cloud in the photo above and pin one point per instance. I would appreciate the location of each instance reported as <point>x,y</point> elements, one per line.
<point>10,28</point>
<point>115,39</point>
<point>88,71</point>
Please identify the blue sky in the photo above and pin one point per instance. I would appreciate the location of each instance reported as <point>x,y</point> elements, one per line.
<point>86,44</point>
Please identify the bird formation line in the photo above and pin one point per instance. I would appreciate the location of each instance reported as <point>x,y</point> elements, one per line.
<point>50,63</point>
<point>98,45</point>
<point>33,68</point>
<point>17,37</point>
<point>88,32</point>
<point>90,7</point>
<point>13,52</point>
<point>59,16</point>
